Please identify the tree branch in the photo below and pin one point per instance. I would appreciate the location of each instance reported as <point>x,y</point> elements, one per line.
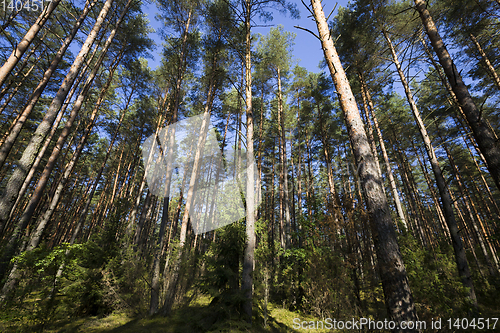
<point>305,29</point>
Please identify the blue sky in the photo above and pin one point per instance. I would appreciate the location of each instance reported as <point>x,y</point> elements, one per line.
<point>307,48</point>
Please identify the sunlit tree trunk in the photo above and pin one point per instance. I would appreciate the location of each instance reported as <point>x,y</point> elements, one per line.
<point>460,257</point>
<point>15,182</point>
<point>491,70</point>
<point>36,236</point>
<point>368,123</point>
<point>155,279</point>
<point>485,138</point>
<point>19,73</point>
<point>284,194</point>
<point>35,96</point>
<point>21,48</point>
<point>24,164</point>
<point>190,196</point>
<point>397,292</point>
<point>48,139</point>
<point>388,168</point>
<point>248,258</point>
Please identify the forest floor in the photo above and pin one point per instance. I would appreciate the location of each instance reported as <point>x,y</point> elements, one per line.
<point>189,319</point>
<point>193,317</point>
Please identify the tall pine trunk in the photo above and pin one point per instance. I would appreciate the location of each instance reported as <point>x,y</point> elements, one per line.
<point>460,257</point>
<point>388,168</point>
<point>485,138</point>
<point>285,213</point>
<point>35,96</point>
<point>24,164</point>
<point>17,54</point>
<point>248,257</point>
<point>198,156</point>
<point>491,70</point>
<point>397,292</point>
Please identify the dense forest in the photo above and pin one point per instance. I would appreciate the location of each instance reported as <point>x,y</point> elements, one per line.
<point>229,189</point>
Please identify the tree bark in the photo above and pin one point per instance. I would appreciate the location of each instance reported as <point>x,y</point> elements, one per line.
<point>371,138</point>
<point>14,133</point>
<point>67,128</point>
<point>155,279</point>
<point>392,181</point>
<point>44,178</point>
<point>397,292</point>
<point>19,73</point>
<point>24,164</point>
<point>283,168</point>
<point>48,139</point>
<point>17,54</point>
<point>460,257</point>
<point>485,138</point>
<point>493,268</point>
<point>487,62</point>
<point>440,214</point>
<point>248,258</point>
<point>190,195</point>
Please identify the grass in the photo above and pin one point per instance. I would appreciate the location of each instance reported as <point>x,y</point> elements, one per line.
<point>196,317</point>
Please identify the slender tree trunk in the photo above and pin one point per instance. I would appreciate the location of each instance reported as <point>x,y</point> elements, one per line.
<point>142,218</point>
<point>371,138</point>
<point>35,96</point>
<point>293,221</point>
<point>83,215</point>
<point>239,117</point>
<point>17,54</point>
<point>460,257</point>
<point>491,70</point>
<point>299,176</point>
<point>14,183</point>
<point>310,180</point>
<point>259,151</point>
<point>440,214</point>
<point>48,139</point>
<point>284,168</point>
<point>147,166</point>
<point>468,203</point>
<point>24,164</point>
<point>44,178</point>
<point>44,219</point>
<point>190,196</point>
<point>177,99</point>
<point>397,292</point>
<point>485,183</point>
<point>19,73</point>
<point>170,293</point>
<point>483,135</point>
<point>115,183</point>
<point>248,258</point>
<point>465,126</point>
<point>155,280</point>
<point>422,221</point>
<point>67,128</point>
<point>9,99</point>
<point>390,175</point>
<point>335,200</point>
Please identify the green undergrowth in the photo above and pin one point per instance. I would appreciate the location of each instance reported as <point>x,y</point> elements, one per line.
<point>195,317</point>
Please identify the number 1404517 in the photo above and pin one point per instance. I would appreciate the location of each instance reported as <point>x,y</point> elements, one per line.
<point>28,5</point>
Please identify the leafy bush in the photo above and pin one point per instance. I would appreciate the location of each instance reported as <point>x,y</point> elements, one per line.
<point>436,287</point>
<point>222,276</point>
